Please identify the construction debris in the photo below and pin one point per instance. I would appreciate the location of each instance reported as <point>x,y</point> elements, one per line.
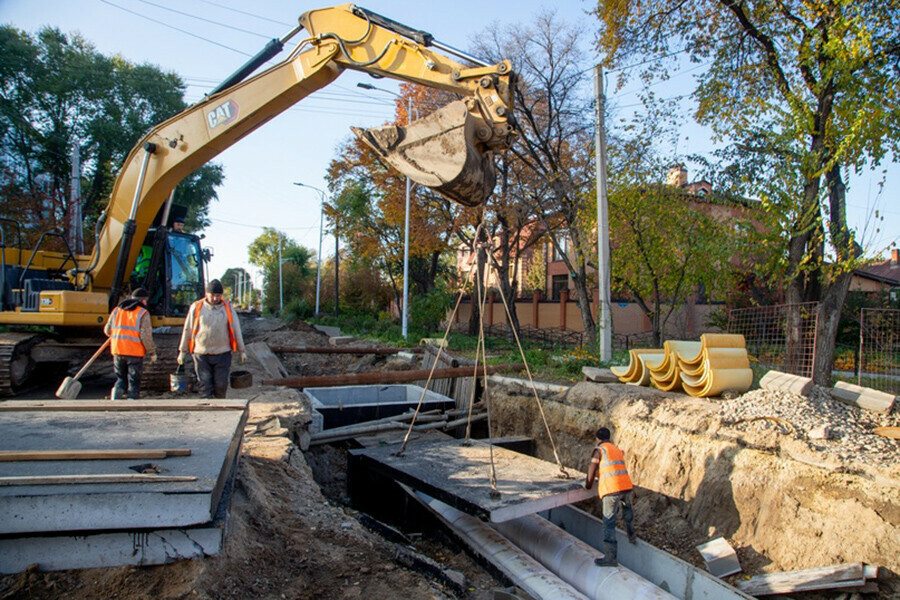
<point>720,557</point>
<point>848,575</point>
<point>599,375</point>
<point>786,382</point>
<point>863,397</point>
<point>269,362</point>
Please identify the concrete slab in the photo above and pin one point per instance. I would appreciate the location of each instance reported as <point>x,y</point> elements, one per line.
<point>349,404</point>
<point>212,432</point>
<point>459,475</point>
<point>328,330</point>
<point>116,548</point>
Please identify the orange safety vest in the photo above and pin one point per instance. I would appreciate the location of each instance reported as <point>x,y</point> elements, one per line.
<point>125,333</point>
<point>199,305</point>
<point>612,476</point>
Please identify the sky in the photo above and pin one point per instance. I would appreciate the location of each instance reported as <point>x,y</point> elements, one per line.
<point>204,41</point>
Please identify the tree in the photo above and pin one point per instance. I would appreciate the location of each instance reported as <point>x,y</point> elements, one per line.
<point>550,163</point>
<point>368,207</point>
<point>249,296</point>
<point>56,91</point>
<point>296,275</point>
<point>811,85</point>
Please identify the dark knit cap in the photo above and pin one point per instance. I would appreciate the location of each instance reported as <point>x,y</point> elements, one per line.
<point>215,287</point>
<point>603,434</point>
<point>140,293</point>
<point>178,220</point>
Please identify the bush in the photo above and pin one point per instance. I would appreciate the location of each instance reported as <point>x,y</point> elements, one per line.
<point>298,309</point>
<point>429,310</point>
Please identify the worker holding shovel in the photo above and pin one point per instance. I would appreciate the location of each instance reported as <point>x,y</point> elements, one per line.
<point>211,333</point>
<point>614,488</point>
<point>131,336</point>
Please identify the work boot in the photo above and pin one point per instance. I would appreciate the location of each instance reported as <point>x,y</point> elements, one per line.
<point>632,539</point>
<point>609,556</point>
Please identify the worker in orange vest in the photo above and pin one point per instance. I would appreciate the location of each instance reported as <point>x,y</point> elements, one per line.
<point>131,338</point>
<point>614,488</point>
<point>212,331</point>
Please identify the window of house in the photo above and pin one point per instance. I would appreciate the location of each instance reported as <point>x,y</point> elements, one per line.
<point>560,251</point>
<point>559,283</point>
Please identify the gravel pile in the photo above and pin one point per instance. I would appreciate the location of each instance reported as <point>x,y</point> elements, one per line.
<point>829,426</point>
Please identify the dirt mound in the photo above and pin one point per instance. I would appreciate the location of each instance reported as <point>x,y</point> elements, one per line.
<point>781,501</point>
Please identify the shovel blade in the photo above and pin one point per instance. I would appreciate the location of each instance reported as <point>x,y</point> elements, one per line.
<point>69,389</point>
<point>440,151</point>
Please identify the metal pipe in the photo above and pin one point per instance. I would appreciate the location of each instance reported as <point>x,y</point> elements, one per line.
<point>573,561</point>
<point>168,207</point>
<point>523,570</point>
<point>374,377</point>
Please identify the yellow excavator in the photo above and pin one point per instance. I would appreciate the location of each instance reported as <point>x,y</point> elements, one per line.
<point>67,297</point>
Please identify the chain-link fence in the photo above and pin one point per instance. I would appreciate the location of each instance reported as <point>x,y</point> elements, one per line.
<point>782,336</point>
<point>879,349</point>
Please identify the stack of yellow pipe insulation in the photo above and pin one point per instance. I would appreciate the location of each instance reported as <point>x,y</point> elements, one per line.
<point>718,362</point>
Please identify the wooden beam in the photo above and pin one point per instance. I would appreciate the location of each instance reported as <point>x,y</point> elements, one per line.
<point>380,377</point>
<point>99,478</point>
<point>111,454</point>
<point>820,578</point>
<point>340,350</point>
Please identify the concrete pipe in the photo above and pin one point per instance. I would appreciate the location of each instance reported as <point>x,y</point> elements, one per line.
<point>524,571</point>
<point>573,561</point>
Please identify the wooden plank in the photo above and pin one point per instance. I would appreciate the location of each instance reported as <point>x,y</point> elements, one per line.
<point>820,578</point>
<point>264,356</point>
<point>86,479</point>
<point>111,454</point>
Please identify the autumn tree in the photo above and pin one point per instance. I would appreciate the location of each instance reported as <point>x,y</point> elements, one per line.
<point>368,207</point>
<point>811,85</point>
<point>57,91</point>
<point>550,162</point>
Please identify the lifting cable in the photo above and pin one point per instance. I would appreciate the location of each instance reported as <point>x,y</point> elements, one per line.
<point>563,473</point>
<point>434,365</point>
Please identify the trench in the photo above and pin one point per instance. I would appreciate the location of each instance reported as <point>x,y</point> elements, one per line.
<point>695,480</point>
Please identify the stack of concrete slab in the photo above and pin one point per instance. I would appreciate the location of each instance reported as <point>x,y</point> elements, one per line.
<point>109,483</point>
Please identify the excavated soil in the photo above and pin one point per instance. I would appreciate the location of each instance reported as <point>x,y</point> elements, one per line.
<point>703,470</point>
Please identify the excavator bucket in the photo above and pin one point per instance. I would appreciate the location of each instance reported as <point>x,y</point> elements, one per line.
<point>439,151</point>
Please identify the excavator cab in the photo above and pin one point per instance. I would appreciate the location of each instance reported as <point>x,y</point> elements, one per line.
<point>170,267</point>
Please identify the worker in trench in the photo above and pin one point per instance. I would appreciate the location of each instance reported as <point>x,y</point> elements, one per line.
<point>615,489</point>
<point>131,338</point>
<point>212,332</point>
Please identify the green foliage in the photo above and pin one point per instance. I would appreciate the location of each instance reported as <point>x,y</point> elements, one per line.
<point>428,310</point>
<point>57,91</point>
<point>296,278</point>
<point>298,309</point>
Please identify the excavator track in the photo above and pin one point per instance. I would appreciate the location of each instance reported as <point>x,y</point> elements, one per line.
<point>16,363</point>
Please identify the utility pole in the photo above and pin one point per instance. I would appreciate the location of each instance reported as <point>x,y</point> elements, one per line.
<point>76,231</point>
<point>604,317</point>
<point>319,255</point>
<point>337,272</point>
<point>280,277</point>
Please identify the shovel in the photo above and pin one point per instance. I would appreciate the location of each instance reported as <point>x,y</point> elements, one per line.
<point>70,386</point>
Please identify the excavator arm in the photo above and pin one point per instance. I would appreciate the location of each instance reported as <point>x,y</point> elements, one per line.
<point>450,150</point>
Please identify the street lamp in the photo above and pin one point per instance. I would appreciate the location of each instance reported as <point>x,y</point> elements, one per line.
<point>404,312</point>
<point>319,255</point>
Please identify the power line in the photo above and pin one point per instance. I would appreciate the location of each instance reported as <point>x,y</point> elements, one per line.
<point>218,220</point>
<point>204,19</point>
<point>194,35</point>
<point>249,14</point>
